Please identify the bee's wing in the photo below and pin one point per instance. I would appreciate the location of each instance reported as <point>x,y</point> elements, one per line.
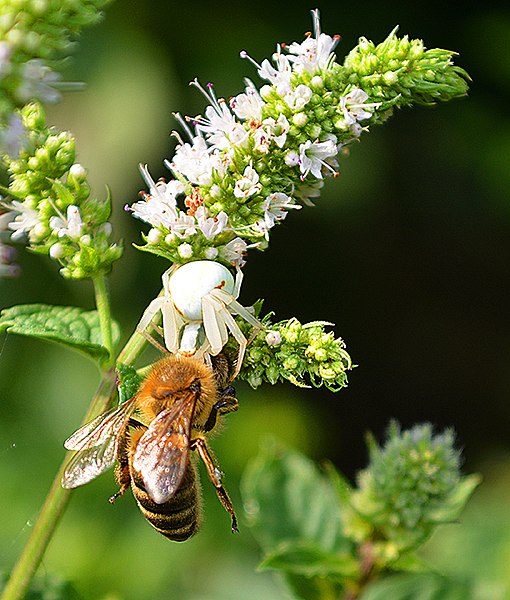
<point>96,443</point>
<point>161,455</point>
<point>101,428</point>
<point>87,464</point>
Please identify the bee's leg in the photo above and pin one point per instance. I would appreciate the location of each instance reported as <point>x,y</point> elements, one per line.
<point>215,476</point>
<point>227,403</point>
<point>122,474</point>
<point>122,479</point>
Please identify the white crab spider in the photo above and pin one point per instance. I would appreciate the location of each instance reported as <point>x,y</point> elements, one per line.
<point>198,303</point>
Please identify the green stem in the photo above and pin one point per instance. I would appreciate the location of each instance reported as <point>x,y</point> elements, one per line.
<point>105,318</point>
<point>57,498</point>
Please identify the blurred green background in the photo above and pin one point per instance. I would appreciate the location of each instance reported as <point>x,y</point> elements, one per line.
<point>407,252</point>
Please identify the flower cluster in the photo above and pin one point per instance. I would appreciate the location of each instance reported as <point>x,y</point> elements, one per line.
<point>295,352</point>
<point>411,485</point>
<point>51,205</point>
<point>250,160</point>
<point>34,34</point>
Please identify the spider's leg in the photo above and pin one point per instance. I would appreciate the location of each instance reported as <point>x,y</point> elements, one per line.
<point>235,308</point>
<point>150,313</point>
<point>238,282</point>
<point>165,278</point>
<point>235,330</point>
<point>172,323</point>
<point>215,329</point>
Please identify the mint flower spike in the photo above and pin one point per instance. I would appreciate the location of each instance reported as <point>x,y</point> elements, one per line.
<point>51,206</point>
<point>35,37</point>
<point>412,484</point>
<point>304,354</point>
<point>249,161</point>
<point>404,72</point>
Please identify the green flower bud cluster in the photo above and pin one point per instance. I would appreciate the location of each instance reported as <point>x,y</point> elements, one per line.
<point>295,352</point>
<point>34,36</point>
<point>267,151</point>
<point>52,206</point>
<point>411,485</point>
<point>403,72</point>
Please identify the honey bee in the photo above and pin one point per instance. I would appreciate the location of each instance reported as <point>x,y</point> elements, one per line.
<point>151,437</point>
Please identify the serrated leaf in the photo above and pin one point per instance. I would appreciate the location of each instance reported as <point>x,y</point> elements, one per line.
<point>310,561</point>
<point>67,325</point>
<point>414,586</point>
<point>129,382</point>
<point>287,499</point>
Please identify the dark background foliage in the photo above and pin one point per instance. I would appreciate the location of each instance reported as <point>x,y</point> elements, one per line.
<point>407,252</point>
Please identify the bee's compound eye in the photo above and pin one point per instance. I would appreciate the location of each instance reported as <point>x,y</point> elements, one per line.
<point>195,387</point>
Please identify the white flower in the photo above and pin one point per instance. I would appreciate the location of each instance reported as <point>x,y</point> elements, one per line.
<point>210,226</point>
<point>154,236</point>
<point>210,253</point>
<point>219,124</point>
<point>353,106</point>
<point>24,222</point>
<point>271,131</point>
<point>313,54</point>
<point>262,140</point>
<point>298,98</point>
<point>13,136</point>
<point>183,226</point>
<point>313,156</point>
<point>275,209</point>
<point>278,129</point>
<point>234,251</point>
<point>193,161</point>
<point>279,77</point>
<point>248,105</point>
<point>5,219</point>
<point>57,251</point>
<point>185,250</point>
<point>71,226</point>
<point>158,208</point>
<point>291,158</point>
<point>248,184</point>
<point>311,189</point>
<point>37,80</point>
<point>273,338</point>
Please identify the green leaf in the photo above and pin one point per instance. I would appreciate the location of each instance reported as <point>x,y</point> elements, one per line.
<point>67,325</point>
<point>313,588</point>
<point>287,499</point>
<point>46,587</point>
<point>129,382</point>
<point>63,193</point>
<point>310,561</point>
<point>414,586</point>
<point>456,501</point>
<point>340,484</point>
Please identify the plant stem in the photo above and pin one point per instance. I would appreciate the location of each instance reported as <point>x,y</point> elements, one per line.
<point>57,498</point>
<point>105,318</point>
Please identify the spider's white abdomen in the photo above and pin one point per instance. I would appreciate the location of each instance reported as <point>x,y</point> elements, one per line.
<point>191,282</point>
